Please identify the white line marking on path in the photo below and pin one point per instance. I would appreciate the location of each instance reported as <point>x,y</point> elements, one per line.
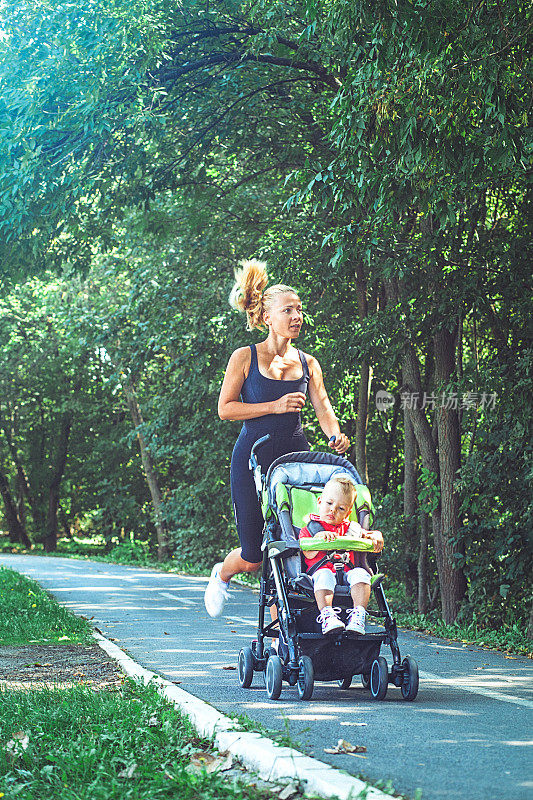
<point>177,597</point>
<point>507,698</point>
<point>241,619</point>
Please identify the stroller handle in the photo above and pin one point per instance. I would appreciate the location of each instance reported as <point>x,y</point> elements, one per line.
<point>255,466</point>
<point>257,444</point>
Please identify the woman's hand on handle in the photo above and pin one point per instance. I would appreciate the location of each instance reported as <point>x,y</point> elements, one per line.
<point>340,443</point>
<point>292,402</point>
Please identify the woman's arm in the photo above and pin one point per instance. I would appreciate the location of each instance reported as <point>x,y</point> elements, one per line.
<point>323,409</point>
<point>229,404</point>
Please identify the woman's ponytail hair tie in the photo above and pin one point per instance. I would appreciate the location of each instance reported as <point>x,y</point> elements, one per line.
<point>249,293</point>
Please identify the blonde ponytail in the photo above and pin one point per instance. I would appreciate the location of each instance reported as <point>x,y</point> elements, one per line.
<point>249,292</point>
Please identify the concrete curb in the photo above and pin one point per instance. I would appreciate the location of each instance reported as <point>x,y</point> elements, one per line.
<point>257,753</point>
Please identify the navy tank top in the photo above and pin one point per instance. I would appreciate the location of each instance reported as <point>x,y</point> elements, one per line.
<point>257,388</point>
<point>286,436</point>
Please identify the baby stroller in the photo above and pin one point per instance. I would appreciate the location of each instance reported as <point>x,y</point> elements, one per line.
<point>288,494</point>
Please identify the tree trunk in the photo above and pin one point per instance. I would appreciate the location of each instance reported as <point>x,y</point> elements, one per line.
<point>64,522</point>
<point>163,549</point>
<point>21,506</point>
<point>410,506</point>
<point>423,566</point>
<point>21,476</point>
<point>451,578</point>
<point>390,450</point>
<point>426,445</point>
<point>530,624</point>
<point>50,538</point>
<point>16,530</point>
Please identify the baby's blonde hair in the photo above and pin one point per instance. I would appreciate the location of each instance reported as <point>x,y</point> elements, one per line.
<point>346,485</point>
<point>250,294</point>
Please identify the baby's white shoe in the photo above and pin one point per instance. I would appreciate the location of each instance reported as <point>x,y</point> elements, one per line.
<point>216,593</point>
<point>356,620</point>
<point>330,621</point>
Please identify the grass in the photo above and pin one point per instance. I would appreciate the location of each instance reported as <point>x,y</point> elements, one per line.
<point>29,615</point>
<point>87,745</point>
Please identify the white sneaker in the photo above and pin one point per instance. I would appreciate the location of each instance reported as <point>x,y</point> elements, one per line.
<point>216,593</point>
<point>356,620</point>
<point>330,621</point>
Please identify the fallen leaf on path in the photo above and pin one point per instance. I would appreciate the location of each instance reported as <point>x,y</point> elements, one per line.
<point>289,791</point>
<point>166,634</point>
<point>230,666</point>
<point>345,747</point>
<point>202,760</point>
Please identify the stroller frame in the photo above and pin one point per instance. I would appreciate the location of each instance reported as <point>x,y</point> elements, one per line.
<point>304,655</point>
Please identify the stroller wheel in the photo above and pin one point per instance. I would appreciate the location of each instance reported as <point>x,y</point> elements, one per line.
<point>365,680</point>
<point>246,667</point>
<point>409,687</point>
<point>273,677</point>
<point>345,683</point>
<point>306,678</point>
<point>379,678</point>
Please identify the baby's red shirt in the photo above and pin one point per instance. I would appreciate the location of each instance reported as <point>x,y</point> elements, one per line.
<point>340,530</point>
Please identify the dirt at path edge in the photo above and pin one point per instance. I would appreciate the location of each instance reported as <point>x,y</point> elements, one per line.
<point>58,665</point>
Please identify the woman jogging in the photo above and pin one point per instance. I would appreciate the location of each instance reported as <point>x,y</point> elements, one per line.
<point>265,386</point>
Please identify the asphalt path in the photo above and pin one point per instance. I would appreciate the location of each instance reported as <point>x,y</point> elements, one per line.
<point>467,735</point>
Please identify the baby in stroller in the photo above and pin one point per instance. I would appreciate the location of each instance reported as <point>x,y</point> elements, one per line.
<point>331,523</point>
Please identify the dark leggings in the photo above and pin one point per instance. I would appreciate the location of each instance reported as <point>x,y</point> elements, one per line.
<point>248,516</point>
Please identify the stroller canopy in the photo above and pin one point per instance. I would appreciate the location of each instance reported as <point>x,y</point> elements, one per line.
<point>307,469</point>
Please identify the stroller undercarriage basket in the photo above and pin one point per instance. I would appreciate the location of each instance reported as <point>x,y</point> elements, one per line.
<point>288,493</point>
